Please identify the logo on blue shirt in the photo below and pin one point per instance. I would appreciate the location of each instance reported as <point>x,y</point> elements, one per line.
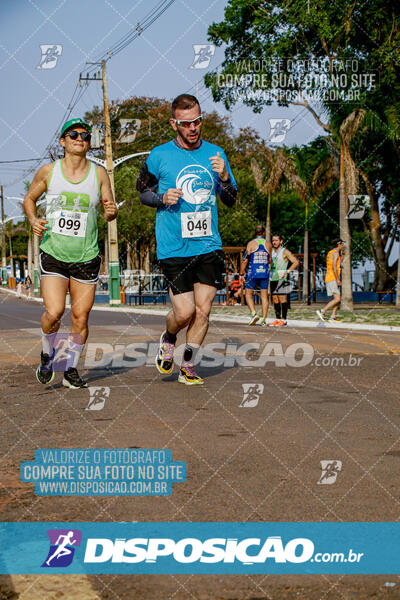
<point>197,184</point>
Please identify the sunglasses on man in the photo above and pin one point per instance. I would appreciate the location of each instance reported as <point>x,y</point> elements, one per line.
<point>84,135</point>
<point>187,124</point>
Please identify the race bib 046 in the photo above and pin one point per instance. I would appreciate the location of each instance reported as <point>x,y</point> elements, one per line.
<point>196,224</point>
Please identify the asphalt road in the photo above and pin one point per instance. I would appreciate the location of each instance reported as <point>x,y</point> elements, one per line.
<point>317,395</point>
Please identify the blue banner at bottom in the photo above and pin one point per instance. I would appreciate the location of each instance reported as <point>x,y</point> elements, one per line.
<point>200,548</point>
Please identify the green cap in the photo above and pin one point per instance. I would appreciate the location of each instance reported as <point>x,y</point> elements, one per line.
<point>77,122</point>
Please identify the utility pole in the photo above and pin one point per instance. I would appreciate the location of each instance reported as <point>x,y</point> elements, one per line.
<point>111,243</point>
<point>36,278</point>
<point>398,282</point>
<point>30,272</point>
<point>3,242</point>
<point>112,250</point>
<point>114,282</point>
<point>12,273</point>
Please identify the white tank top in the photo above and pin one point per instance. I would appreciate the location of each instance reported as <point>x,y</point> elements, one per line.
<point>71,212</point>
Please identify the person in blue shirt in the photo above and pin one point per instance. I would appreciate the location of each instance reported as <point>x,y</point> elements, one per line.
<point>182,179</point>
<point>257,260</point>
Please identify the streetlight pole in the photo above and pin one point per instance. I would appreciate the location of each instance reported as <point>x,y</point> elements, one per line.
<point>36,250</point>
<point>3,242</point>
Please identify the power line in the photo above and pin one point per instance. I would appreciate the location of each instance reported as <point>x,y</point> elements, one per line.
<point>120,45</point>
<point>5,162</point>
<point>133,34</point>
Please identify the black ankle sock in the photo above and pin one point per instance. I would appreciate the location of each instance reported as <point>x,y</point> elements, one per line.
<point>170,337</point>
<point>284,310</point>
<point>277,308</point>
<point>188,353</point>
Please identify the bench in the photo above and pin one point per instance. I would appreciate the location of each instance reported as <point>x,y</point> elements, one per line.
<point>141,298</point>
<point>381,296</point>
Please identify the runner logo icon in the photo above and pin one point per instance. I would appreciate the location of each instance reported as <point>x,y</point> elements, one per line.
<point>50,55</point>
<point>203,54</point>
<point>251,394</point>
<point>98,397</point>
<point>330,470</point>
<point>62,547</point>
<point>278,130</point>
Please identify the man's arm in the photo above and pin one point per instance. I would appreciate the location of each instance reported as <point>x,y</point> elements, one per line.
<point>244,263</point>
<point>226,189</point>
<point>289,256</point>
<point>268,246</point>
<point>109,206</point>
<point>36,189</point>
<point>228,193</point>
<point>147,185</point>
<point>335,256</point>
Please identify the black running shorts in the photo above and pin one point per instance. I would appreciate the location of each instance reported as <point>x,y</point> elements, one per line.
<point>281,287</point>
<point>84,272</point>
<point>181,273</point>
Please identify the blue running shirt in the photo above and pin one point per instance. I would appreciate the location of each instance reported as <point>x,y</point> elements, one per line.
<point>189,227</point>
<point>259,261</point>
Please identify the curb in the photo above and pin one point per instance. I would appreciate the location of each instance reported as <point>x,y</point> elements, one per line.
<point>241,319</point>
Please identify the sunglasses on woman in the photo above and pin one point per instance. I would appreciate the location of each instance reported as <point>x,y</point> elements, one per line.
<point>84,135</point>
<point>187,124</point>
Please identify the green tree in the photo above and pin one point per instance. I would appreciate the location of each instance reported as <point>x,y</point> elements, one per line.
<point>259,34</point>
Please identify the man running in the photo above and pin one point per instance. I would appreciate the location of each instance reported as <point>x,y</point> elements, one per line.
<point>181,179</point>
<point>332,280</point>
<point>257,258</point>
<point>69,257</point>
<point>280,282</point>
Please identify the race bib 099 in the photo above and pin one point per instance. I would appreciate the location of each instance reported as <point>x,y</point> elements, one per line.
<point>73,224</point>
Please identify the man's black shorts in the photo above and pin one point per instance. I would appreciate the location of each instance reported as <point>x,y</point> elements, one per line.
<point>281,287</point>
<point>181,273</point>
<point>84,272</point>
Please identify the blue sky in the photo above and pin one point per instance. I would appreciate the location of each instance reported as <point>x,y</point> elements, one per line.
<point>157,63</point>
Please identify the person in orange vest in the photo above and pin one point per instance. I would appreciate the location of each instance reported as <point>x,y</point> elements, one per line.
<point>332,280</point>
<point>235,290</point>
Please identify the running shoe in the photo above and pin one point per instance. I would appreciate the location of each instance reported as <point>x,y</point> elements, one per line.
<point>281,323</point>
<point>72,379</point>
<point>253,319</point>
<point>274,323</point>
<point>165,356</point>
<point>45,371</point>
<point>336,319</point>
<point>188,376</point>
<point>321,315</point>
<point>263,323</point>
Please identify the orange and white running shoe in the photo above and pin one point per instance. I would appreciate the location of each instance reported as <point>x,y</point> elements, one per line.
<point>274,323</point>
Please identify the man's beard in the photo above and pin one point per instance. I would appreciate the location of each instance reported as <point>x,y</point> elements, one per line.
<point>190,141</point>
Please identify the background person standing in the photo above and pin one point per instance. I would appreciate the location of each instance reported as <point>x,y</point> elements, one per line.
<point>281,286</point>
<point>257,259</point>
<point>332,280</point>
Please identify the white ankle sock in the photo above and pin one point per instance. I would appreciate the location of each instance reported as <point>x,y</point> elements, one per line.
<point>48,340</point>
<point>76,351</point>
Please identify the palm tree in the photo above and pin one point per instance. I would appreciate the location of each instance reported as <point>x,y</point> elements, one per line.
<point>348,184</point>
<point>269,186</point>
<point>282,167</point>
